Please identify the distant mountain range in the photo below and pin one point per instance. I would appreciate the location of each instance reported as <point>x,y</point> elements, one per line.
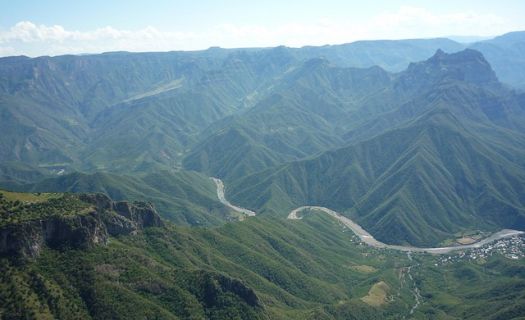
<point>415,139</point>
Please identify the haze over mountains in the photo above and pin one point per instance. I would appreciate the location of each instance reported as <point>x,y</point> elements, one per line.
<point>369,128</point>
<point>111,211</point>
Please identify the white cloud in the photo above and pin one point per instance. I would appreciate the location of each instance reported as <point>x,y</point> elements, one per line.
<point>27,38</point>
<point>7,51</point>
<point>414,21</point>
<point>31,39</point>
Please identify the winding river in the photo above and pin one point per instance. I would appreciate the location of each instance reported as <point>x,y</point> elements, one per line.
<point>362,233</point>
<point>222,199</point>
<point>370,240</point>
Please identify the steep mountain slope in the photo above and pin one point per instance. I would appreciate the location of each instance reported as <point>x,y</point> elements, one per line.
<point>318,106</point>
<point>452,158</point>
<point>304,115</point>
<point>127,112</point>
<point>464,82</point>
<point>506,54</point>
<point>79,111</point>
<point>55,98</point>
<point>233,113</point>
<point>166,124</point>
<point>233,153</point>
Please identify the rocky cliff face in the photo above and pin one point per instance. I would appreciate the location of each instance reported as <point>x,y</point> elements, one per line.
<point>123,217</point>
<point>92,227</point>
<point>467,66</point>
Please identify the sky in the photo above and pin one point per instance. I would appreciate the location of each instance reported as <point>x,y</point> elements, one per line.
<point>36,28</point>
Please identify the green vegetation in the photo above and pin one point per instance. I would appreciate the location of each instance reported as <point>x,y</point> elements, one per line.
<point>20,207</point>
<point>364,268</point>
<point>377,295</point>
<point>182,272</point>
<point>415,156</point>
<point>439,164</point>
<point>260,268</point>
<point>472,290</point>
<point>417,152</point>
<point>27,197</point>
<point>184,197</point>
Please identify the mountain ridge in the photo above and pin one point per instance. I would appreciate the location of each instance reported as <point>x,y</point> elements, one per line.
<point>237,114</point>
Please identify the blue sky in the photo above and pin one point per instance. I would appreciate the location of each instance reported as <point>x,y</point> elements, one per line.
<point>58,27</point>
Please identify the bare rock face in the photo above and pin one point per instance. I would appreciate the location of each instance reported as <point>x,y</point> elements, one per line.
<point>118,225</point>
<point>143,214</point>
<point>27,239</point>
<point>77,232</point>
<point>84,230</point>
<point>123,217</point>
<point>24,239</point>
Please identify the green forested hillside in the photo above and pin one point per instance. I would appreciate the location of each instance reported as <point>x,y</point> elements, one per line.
<point>449,157</point>
<point>135,110</point>
<point>414,155</point>
<point>404,186</point>
<point>261,268</point>
<point>301,117</point>
<point>380,179</point>
<point>130,112</point>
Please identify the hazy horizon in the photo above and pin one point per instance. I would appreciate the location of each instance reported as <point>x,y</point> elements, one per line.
<point>457,38</point>
<point>53,28</point>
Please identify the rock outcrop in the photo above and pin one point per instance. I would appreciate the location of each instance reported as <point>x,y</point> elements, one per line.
<point>467,66</point>
<point>92,227</point>
<point>123,217</point>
